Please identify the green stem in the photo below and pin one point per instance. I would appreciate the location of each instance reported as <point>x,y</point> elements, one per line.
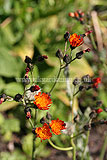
<point>31,123</point>
<point>55,80</point>
<point>74,148</point>
<point>76,93</point>
<point>103,148</point>
<point>86,142</point>
<point>93,42</point>
<point>68,63</point>
<point>34,137</point>
<point>59,148</point>
<point>77,134</point>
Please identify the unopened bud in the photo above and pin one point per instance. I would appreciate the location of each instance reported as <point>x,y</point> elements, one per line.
<point>93,114</point>
<point>66,58</point>
<point>79,55</point>
<point>34,88</point>
<point>87,127</point>
<point>42,57</point>
<point>71,14</point>
<point>88,32</point>
<point>28,60</point>
<point>59,53</point>
<point>43,120</point>
<point>86,78</point>
<point>33,130</point>
<point>26,80</point>
<point>18,97</point>
<point>81,88</point>
<point>27,109</point>
<point>66,36</point>
<point>76,81</point>
<point>99,110</point>
<point>76,118</point>
<point>48,116</point>
<point>99,103</point>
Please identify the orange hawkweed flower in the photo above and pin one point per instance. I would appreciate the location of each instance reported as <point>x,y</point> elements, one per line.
<point>75,40</point>
<point>57,126</point>
<point>43,132</point>
<point>42,101</point>
<point>96,81</point>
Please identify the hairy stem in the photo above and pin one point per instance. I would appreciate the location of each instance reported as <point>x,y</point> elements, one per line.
<point>55,80</point>
<point>86,142</point>
<point>59,148</point>
<point>34,138</point>
<point>74,148</point>
<point>103,148</point>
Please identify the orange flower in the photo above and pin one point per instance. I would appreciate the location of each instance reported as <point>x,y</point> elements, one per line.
<point>43,132</point>
<point>75,40</point>
<point>96,81</point>
<point>57,126</point>
<point>42,101</point>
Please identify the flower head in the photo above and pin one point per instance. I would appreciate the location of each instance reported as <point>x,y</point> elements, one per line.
<point>28,115</point>
<point>99,110</point>
<point>34,88</point>
<point>96,81</point>
<point>75,40</point>
<point>43,132</point>
<point>42,101</point>
<point>57,126</point>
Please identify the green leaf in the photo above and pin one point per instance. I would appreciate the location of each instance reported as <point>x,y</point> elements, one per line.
<point>11,125</point>
<point>27,144</point>
<point>8,64</point>
<point>7,105</point>
<point>1,119</point>
<point>13,88</point>
<point>16,155</point>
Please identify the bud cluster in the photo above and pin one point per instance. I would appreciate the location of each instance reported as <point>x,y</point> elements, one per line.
<point>79,15</point>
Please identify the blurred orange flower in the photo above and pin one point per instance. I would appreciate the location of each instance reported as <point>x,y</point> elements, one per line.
<point>43,132</point>
<point>57,126</point>
<point>75,40</point>
<point>42,101</point>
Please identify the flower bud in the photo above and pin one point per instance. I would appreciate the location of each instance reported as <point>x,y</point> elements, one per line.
<point>86,78</point>
<point>43,120</point>
<point>34,88</point>
<point>66,58</point>
<point>27,70</point>
<point>66,36</point>
<point>28,60</point>
<point>99,110</point>
<point>28,115</point>
<point>76,118</point>
<point>26,80</point>
<point>71,14</point>
<point>87,127</point>
<point>76,81</point>
<point>88,32</point>
<point>27,111</point>
<point>33,131</point>
<point>18,97</point>
<point>79,55</point>
<point>59,53</point>
<point>81,88</point>
<point>99,103</point>
<point>93,114</point>
<point>48,116</point>
<point>42,57</point>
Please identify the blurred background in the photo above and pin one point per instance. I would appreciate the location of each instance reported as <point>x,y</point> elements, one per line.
<point>37,27</point>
